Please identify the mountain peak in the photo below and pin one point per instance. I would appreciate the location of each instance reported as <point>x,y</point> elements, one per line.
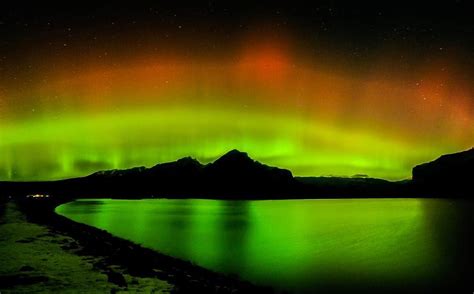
<point>234,156</point>
<point>235,153</point>
<point>188,160</point>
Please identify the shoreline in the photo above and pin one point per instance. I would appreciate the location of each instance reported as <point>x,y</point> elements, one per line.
<point>117,257</point>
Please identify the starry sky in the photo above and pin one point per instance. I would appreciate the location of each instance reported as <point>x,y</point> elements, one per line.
<point>328,89</point>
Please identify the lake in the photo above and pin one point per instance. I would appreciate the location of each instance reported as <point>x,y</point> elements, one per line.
<point>295,245</point>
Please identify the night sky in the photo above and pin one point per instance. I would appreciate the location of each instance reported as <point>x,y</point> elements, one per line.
<point>328,89</point>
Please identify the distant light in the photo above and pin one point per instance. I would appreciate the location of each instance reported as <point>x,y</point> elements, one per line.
<point>35,196</point>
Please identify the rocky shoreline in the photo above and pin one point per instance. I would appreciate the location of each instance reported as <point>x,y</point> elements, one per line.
<point>117,258</point>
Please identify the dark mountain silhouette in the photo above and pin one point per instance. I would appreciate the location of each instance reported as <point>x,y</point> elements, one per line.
<point>343,187</point>
<point>450,173</point>
<point>232,175</point>
<point>177,178</point>
<point>235,171</point>
<point>236,176</point>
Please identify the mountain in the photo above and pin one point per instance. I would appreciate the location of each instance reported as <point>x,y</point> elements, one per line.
<point>236,171</point>
<point>233,175</point>
<point>237,176</point>
<point>344,187</point>
<point>450,173</point>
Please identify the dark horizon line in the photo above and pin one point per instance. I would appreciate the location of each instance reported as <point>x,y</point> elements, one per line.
<point>356,176</point>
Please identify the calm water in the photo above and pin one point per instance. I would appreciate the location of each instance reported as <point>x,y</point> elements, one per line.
<point>296,245</point>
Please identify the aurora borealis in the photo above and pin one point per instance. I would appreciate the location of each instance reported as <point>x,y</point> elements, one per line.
<point>285,101</point>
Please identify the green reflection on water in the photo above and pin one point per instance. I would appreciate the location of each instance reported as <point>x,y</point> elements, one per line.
<point>291,244</point>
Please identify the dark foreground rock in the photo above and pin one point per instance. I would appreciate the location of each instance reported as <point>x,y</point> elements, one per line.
<point>38,264</point>
<point>12,280</point>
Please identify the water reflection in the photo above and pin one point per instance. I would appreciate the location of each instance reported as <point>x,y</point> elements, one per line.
<point>234,223</point>
<point>296,245</point>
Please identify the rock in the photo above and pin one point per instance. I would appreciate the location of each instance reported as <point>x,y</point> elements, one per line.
<point>10,281</point>
<point>70,246</point>
<point>26,268</point>
<point>26,240</point>
<point>116,278</point>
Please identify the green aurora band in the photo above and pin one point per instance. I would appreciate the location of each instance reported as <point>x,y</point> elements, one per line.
<point>283,110</point>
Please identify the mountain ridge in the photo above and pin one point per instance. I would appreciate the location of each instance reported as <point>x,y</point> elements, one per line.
<point>235,175</point>
<point>452,173</point>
